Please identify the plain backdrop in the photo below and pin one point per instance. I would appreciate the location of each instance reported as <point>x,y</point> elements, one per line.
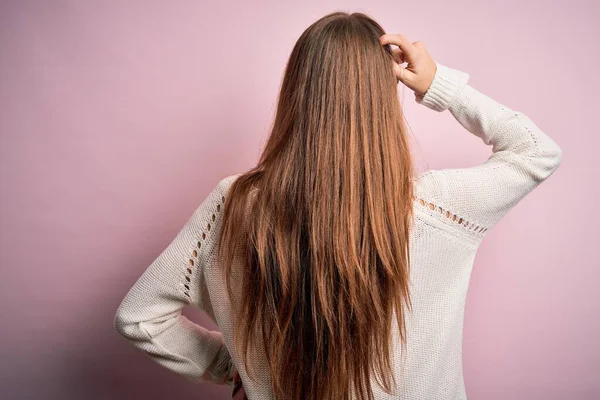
<point>118,117</point>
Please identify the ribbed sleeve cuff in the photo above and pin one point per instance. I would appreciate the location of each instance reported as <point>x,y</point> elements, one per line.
<point>446,84</point>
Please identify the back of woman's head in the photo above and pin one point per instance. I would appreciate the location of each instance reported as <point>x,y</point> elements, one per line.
<point>321,224</point>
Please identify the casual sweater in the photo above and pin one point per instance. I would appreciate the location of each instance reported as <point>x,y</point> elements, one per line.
<point>454,210</point>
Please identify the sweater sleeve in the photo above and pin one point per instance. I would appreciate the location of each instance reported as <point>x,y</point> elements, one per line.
<point>150,317</point>
<point>522,156</point>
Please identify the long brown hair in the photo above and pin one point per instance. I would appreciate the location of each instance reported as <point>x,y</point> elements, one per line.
<point>321,224</point>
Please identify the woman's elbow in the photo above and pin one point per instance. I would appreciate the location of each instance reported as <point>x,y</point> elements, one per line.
<point>123,325</point>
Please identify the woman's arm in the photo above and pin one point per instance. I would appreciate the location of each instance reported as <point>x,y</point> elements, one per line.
<point>522,156</point>
<point>150,318</point>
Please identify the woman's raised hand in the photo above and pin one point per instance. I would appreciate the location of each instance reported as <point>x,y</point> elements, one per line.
<point>421,68</point>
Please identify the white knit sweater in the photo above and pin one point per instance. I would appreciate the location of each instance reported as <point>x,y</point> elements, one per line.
<point>454,210</point>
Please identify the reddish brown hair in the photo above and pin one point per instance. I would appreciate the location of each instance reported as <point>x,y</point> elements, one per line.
<point>321,224</point>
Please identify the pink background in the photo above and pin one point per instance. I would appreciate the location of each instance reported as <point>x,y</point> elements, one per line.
<point>118,117</point>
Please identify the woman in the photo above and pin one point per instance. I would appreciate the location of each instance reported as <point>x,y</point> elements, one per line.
<point>332,271</point>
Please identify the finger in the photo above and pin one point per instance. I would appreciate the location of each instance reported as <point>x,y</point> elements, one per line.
<point>409,50</point>
<point>404,75</point>
<point>398,55</point>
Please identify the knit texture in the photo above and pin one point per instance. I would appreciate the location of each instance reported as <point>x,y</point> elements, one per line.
<point>454,210</point>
